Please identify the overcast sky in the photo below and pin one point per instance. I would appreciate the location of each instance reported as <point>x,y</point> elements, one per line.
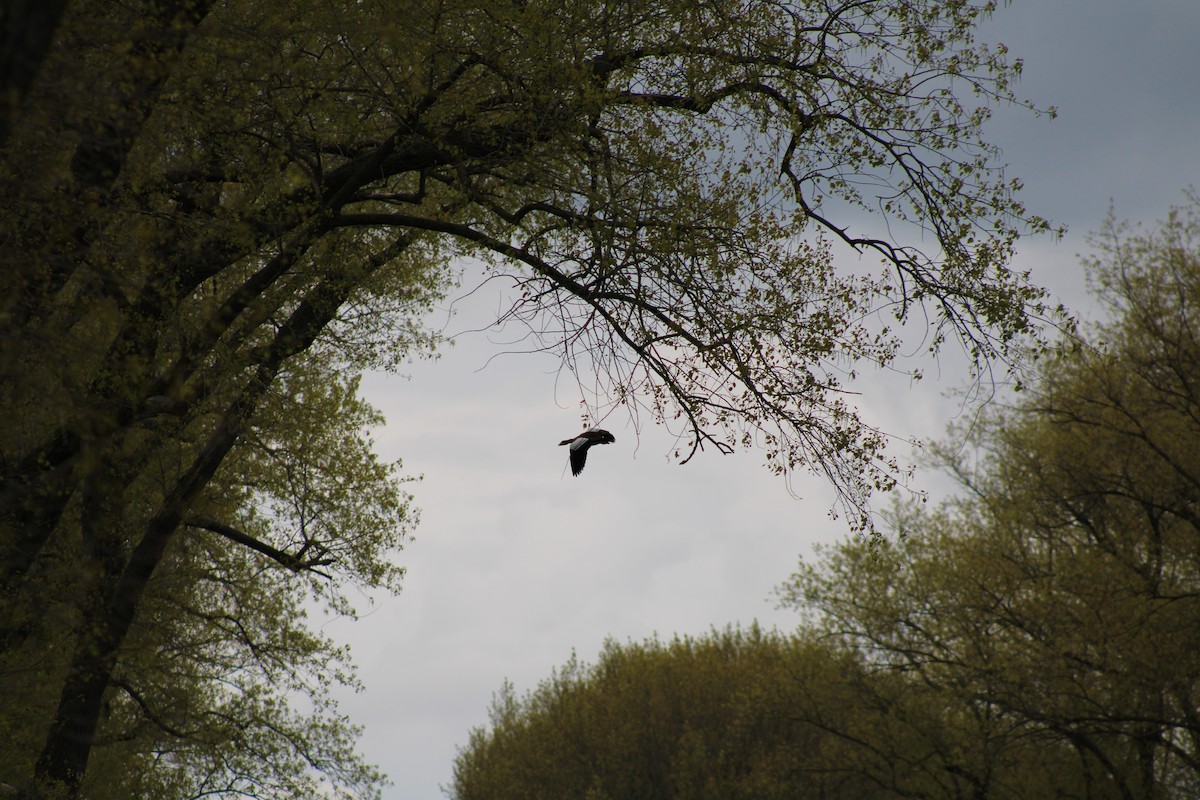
<point>516,564</point>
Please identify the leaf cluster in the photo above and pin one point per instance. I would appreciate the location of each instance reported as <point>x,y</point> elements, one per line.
<point>742,714</point>
<point>1059,592</point>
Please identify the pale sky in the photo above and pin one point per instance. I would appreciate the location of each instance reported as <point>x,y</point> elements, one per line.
<point>516,564</point>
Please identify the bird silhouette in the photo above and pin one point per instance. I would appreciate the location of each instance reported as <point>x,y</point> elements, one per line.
<point>581,443</point>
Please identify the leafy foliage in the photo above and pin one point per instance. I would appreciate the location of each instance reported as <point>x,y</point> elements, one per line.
<point>1059,593</point>
<point>218,213</point>
<point>742,715</point>
<point>689,718</point>
<point>201,700</point>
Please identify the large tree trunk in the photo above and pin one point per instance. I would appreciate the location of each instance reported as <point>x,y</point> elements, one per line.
<point>26,30</point>
<point>71,738</point>
<point>64,759</point>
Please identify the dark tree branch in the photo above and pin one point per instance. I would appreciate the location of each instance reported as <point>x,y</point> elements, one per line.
<point>149,712</point>
<point>293,562</point>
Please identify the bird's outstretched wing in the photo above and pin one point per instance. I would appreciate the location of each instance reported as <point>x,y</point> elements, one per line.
<point>578,456</point>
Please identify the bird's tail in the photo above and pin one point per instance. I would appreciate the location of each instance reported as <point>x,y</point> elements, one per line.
<point>565,441</point>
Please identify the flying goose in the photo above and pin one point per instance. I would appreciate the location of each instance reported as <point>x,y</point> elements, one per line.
<point>581,443</point>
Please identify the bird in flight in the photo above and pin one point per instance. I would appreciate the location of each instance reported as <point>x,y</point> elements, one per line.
<point>581,443</point>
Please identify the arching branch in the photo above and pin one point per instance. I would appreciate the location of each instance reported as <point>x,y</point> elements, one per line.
<point>296,562</point>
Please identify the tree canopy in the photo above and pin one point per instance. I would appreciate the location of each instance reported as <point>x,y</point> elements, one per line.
<point>217,213</point>
<point>1058,594</point>
<point>746,714</point>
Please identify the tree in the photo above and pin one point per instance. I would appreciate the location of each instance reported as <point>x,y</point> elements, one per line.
<point>1060,591</point>
<point>684,719</point>
<point>743,715</point>
<point>200,700</point>
<point>208,202</point>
